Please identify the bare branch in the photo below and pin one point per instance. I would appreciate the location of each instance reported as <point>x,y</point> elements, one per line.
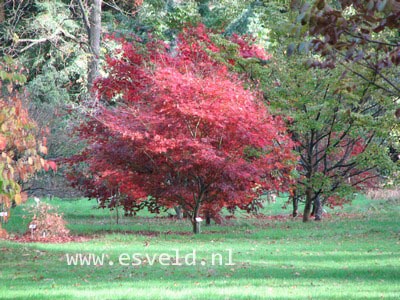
<point>34,42</point>
<point>371,41</point>
<point>84,18</point>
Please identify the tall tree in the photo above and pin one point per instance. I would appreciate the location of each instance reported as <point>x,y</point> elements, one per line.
<point>94,33</point>
<point>92,23</point>
<point>2,12</point>
<point>343,129</point>
<point>359,38</point>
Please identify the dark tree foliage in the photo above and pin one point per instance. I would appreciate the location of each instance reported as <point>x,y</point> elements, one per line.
<point>362,36</point>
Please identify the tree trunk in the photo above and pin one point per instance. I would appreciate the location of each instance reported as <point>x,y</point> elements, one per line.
<point>196,227</point>
<point>117,212</point>
<point>307,207</point>
<point>295,201</point>
<point>178,211</point>
<point>295,5</point>
<point>203,8</point>
<point>195,215</point>
<point>2,12</point>
<point>94,40</point>
<point>208,219</point>
<point>313,210</point>
<point>318,209</point>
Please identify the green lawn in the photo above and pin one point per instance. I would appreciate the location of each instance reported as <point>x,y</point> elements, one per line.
<point>338,258</point>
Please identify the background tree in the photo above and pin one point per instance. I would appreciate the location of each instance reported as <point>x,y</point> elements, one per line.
<point>344,127</point>
<point>342,130</point>
<point>20,151</point>
<point>49,39</point>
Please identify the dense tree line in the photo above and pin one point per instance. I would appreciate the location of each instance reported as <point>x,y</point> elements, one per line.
<point>325,71</point>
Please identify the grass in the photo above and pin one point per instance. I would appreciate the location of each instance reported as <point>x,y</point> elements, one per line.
<point>338,258</point>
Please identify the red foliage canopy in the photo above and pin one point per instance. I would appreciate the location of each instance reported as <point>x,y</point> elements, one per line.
<point>185,131</point>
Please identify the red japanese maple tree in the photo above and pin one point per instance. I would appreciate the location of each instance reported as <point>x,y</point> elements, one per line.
<point>184,131</point>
